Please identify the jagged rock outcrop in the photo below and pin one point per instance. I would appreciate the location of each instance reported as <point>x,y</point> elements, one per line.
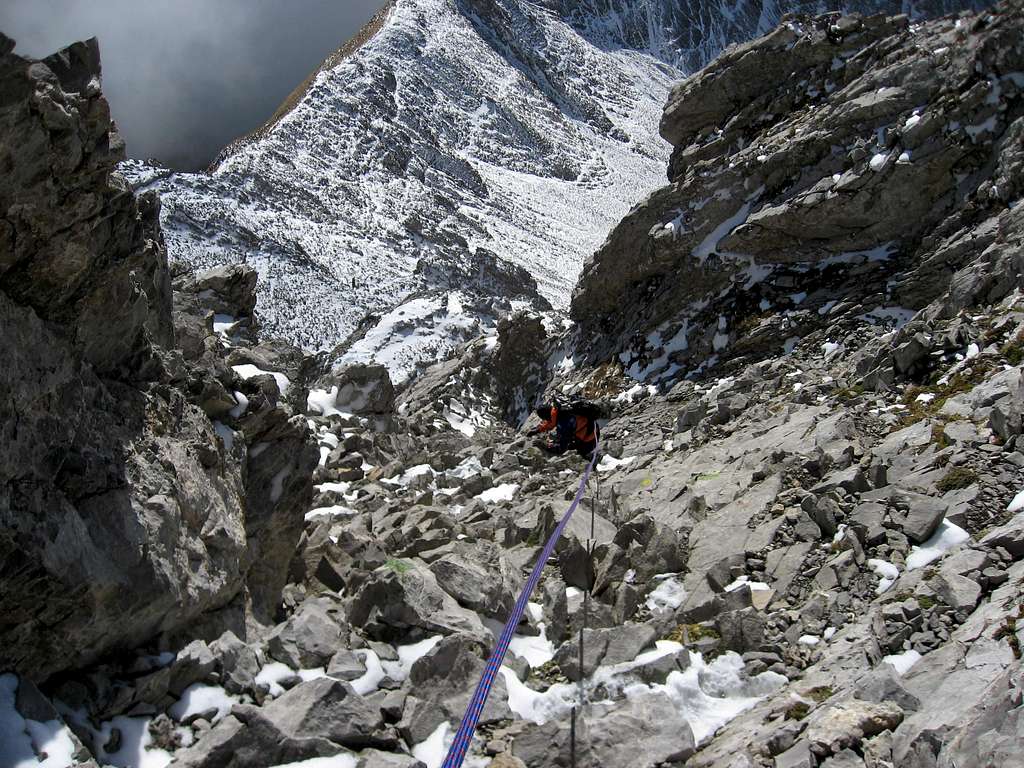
<point>830,169</point>
<point>129,505</point>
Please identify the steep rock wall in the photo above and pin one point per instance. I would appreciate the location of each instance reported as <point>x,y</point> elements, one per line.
<point>125,510</point>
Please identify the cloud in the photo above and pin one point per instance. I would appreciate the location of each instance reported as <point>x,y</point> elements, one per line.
<point>186,77</point>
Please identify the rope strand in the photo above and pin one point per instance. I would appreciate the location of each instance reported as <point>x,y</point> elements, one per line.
<point>464,736</point>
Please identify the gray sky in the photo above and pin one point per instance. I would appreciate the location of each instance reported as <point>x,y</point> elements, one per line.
<point>185,77</point>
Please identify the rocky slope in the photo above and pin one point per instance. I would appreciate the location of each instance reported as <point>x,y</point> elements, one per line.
<point>132,502</point>
<point>808,534</point>
<point>463,137</point>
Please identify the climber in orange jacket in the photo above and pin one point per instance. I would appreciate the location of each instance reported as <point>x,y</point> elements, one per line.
<point>572,430</point>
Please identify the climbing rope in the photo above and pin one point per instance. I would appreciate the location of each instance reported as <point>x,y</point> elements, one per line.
<point>583,625</point>
<point>464,736</point>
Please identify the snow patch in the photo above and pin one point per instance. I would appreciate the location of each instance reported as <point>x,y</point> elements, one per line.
<point>948,536</point>
<point>503,492</point>
<point>249,371</point>
<point>902,662</point>
<point>667,596</point>
<point>886,571</point>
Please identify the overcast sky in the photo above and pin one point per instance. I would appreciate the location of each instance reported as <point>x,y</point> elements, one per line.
<point>185,77</point>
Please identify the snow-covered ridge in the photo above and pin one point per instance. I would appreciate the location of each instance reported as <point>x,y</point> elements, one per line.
<point>431,142</point>
<point>520,132</point>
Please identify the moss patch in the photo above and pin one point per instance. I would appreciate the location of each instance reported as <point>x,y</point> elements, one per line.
<point>1013,350</point>
<point>962,382</point>
<point>693,632</point>
<point>797,710</point>
<point>820,693</point>
<point>398,566</point>
<point>1008,631</point>
<point>956,478</point>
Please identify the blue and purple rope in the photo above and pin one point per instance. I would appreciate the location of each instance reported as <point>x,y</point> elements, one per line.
<point>464,736</point>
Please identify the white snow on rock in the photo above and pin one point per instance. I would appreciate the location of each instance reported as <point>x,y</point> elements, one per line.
<point>609,463</point>
<point>1017,504</point>
<point>271,674</point>
<point>667,596</point>
<point>23,741</point>
<point>896,317</point>
<point>902,662</point>
<point>886,571</point>
<point>948,536</point>
<point>503,492</point>
<point>199,698</point>
<point>707,696</point>
<point>336,761</point>
<point>377,670</point>
<point>434,749</point>
<point>248,371</point>
<point>756,586</point>
<point>536,650</point>
<point>136,743</point>
<point>330,513</point>
<point>878,161</point>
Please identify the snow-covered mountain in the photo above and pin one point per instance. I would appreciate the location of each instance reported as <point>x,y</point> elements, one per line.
<point>458,141</point>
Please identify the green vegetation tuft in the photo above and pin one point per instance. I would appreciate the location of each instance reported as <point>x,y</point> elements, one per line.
<point>797,710</point>
<point>820,693</point>
<point>694,632</point>
<point>1013,350</point>
<point>1008,631</point>
<point>962,382</point>
<point>850,393</point>
<point>398,566</point>
<point>957,478</point>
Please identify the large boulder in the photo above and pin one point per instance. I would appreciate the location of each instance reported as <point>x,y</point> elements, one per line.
<point>311,637</point>
<point>357,389</point>
<point>479,577</point>
<point>403,597</point>
<point>315,719</point>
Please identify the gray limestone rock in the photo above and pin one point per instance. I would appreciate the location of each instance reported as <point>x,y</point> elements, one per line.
<point>923,517</point>
<point>114,478</point>
<point>405,595</point>
<point>958,592</point>
<point>479,577</point>
<point>649,719</point>
<point>797,756</point>
<point>310,638</point>
<point>883,684</point>
<point>361,389</point>
<point>313,719</point>
<point>237,663</point>
<point>193,664</point>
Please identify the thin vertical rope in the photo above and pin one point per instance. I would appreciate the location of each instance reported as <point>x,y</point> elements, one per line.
<point>464,736</point>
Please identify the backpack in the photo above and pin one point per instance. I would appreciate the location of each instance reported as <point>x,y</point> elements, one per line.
<point>587,408</point>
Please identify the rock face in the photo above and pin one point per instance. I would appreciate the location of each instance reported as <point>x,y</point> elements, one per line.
<point>828,170</point>
<point>432,185</point>
<point>125,510</point>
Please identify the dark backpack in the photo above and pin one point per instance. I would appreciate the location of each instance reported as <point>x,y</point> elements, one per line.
<point>587,408</point>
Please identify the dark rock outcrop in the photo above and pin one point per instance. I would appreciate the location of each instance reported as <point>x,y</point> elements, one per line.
<point>828,169</point>
<point>125,511</point>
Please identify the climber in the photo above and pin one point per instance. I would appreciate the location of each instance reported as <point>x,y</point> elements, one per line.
<point>575,427</point>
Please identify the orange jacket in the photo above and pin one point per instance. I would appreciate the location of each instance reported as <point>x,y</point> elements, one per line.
<point>584,429</point>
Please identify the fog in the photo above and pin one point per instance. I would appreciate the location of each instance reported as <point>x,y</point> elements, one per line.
<point>186,77</point>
